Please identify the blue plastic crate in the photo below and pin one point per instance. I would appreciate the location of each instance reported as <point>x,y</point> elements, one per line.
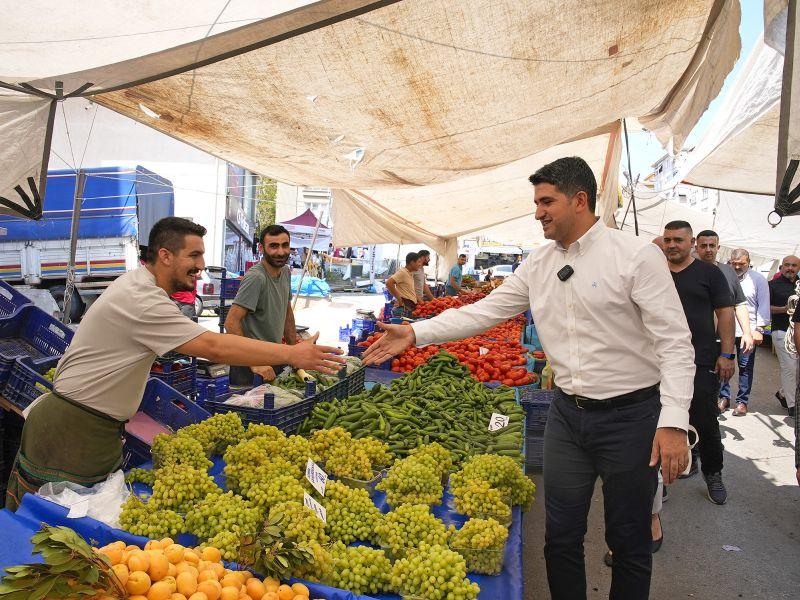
<point>534,451</point>
<point>344,333</point>
<point>168,407</point>
<point>355,382</point>
<point>26,380</point>
<point>30,332</point>
<point>180,374</point>
<point>367,325</point>
<point>11,300</point>
<point>221,386</point>
<point>536,404</point>
<point>229,288</point>
<point>287,419</point>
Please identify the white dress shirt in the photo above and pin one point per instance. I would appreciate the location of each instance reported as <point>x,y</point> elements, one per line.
<point>615,326</point>
<point>756,292</point>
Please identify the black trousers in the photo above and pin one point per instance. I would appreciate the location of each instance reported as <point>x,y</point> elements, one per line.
<point>579,446</point>
<point>703,415</point>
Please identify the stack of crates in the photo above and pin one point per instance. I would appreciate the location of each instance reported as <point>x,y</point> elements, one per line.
<point>228,289</point>
<point>536,404</point>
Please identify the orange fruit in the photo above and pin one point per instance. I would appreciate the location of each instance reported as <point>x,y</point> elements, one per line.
<point>174,553</point>
<point>152,545</point>
<point>177,596</point>
<point>160,590</point>
<point>113,553</point>
<point>138,583</point>
<point>131,548</point>
<point>231,580</point>
<point>159,567</point>
<point>301,590</point>
<point>211,589</point>
<point>255,588</point>
<point>207,575</point>
<point>285,593</point>
<point>172,571</point>
<point>271,584</point>
<point>270,596</point>
<point>187,583</point>
<point>191,557</point>
<point>211,554</point>
<point>244,596</point>
<point>185,567</point>
<point>121,571</point>
<point>138,561</point>
<point>137,597</point>
<point>172,583</point>
<point>198,596</point>
<point>218,569</point>
<point>166,542</point>
<point>229,593</point>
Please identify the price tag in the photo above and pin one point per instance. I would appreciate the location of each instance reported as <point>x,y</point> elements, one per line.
<point>318,509</point>
<point>79,509</point>
<point>483,351</point>
<point>316,476</point>
<point>498,421</point>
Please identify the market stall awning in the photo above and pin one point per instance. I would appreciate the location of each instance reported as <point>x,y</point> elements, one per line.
<point>307,219</point>
<point>305,230</point>
<point>401,95</point>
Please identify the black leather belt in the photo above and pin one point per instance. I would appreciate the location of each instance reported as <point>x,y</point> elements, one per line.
<point>633,397</point>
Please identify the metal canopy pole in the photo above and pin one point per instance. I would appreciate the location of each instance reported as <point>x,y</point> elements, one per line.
<point>77,201</point>
<point>630,180</point>
<point>305,266</point>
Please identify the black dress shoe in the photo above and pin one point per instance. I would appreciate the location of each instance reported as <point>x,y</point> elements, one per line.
<point>782,399</point>
<point>790,411</point>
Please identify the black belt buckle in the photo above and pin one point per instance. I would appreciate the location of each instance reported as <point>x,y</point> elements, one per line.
<point>579,399</point>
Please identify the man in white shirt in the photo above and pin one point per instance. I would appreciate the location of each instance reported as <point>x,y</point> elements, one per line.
<point>611,322</point>
<point>756,293</point>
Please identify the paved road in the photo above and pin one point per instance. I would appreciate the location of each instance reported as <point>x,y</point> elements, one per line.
<point>762,517</point>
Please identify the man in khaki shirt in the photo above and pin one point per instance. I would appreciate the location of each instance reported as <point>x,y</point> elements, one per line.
<point>75,432</point>
<point>401,285</point>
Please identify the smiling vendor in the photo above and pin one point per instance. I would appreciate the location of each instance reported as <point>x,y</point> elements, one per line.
<point>75,433</point>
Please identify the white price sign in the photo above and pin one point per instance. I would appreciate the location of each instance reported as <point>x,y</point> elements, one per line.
<point>316,476</point>
<point>318,509</point>
<point>498,421</point>
<point>483,351</point>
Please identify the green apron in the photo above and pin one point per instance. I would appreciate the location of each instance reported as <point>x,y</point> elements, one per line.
<point>64,441</point>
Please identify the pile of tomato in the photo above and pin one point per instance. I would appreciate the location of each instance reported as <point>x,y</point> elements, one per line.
<point>510,330</point>
<point>439,305</point>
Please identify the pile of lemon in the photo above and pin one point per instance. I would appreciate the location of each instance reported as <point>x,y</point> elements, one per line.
<point>165,570</point>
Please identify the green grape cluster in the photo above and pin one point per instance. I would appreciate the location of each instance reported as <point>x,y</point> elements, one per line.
<point>300,524</point>
<point>360,570</point>
<point>377,451</point>
<point>218,513</point>
<point>482,544</point>
<point>268,492</point>
<point>179,487</point>
<point>409,526</point>
<point>502,473</point>
<point>350,462</point>
<point>174,449</point>
<point>324,440</point>
<point>434,573</point>
<point>270,432</point>
<point>145,519</point>
<point>442,458</point>
<point>241,477</point>
<point>228,543</point>
<point>320,568</point>
<point>412,480</point>
<point>296,449</point>
<point>50,375</point>
<point>217,432</point>
<point>477,498</point>
<point>144,476</point>
<point>351,514</point>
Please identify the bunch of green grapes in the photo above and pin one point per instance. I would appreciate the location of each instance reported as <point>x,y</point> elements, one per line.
<point>502,473</point>
<point>477,498</point>
<point>144,476</point>
<point>300,524</point>
<point>270,432</point>
<point>296,449</point>
<point>145,519</point>
<point>377,451</point>
<point>321,566</point>
<point>50,375</point>
<point>360,569</point>
<point>325,440</point>
<point>241,477</point>
<point>179,487</point>
<point>266,493</point>
<point>482,544</point>
<point>220,512</point>
<point>351,514</point>
<point>173,450</point>
<point>412,481</point>
<point>409,526</point>
<point>434,573</point>
<point>217,432</point>
<point>350,462</point>
<point>228,543</point>
<point>442,457</point>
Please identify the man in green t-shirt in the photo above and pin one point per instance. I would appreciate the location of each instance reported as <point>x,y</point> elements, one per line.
<point>262,308</point>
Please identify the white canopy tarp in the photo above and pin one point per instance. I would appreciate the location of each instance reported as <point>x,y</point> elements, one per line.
<point>387,97</point>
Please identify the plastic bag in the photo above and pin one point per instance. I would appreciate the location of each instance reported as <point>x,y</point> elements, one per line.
<point>103,501</point>
<point>255,398</point>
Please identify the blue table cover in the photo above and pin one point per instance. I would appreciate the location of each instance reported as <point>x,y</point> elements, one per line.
<point>17,529</point>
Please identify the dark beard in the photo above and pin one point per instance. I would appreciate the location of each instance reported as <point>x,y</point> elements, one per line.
<point>274,263</point>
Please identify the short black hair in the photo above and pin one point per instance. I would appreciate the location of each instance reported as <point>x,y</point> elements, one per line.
<point>273,230</point>
<point>569,175</point>
<point>708,233</point>
<point>411,257</point>
<point>169,233</point>
<point>462,256</point>
<point>678,225</point>
<point>423,253</point>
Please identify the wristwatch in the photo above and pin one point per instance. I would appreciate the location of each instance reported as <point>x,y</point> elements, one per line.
<point>728,356</point>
